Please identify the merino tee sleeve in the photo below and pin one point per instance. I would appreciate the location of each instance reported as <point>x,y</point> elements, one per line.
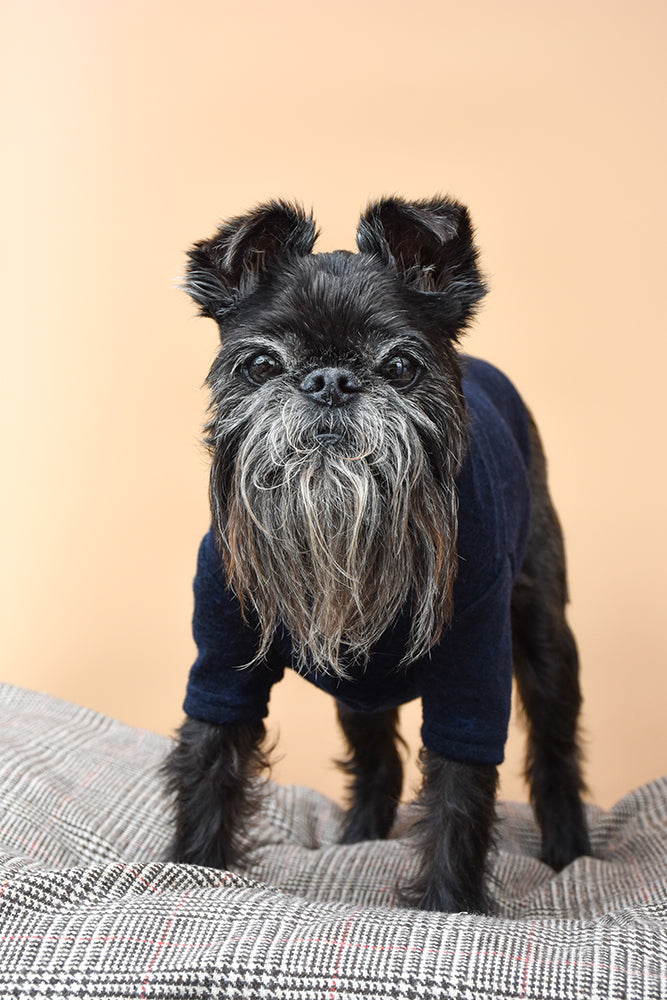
<point>467,692</point>
<point>223,685</point>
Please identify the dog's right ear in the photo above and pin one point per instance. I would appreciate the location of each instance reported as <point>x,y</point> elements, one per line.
<point>231,265</point>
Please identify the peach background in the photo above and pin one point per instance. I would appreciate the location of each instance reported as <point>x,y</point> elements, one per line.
<point>132,126</point>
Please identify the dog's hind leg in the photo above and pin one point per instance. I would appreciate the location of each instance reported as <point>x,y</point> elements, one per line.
<point>546,666</point>
<point>375,767</point>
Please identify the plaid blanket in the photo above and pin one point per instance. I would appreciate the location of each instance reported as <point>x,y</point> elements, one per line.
<point>88,908</point>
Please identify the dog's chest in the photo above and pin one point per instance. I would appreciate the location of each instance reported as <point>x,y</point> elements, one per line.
<point>381,683</point>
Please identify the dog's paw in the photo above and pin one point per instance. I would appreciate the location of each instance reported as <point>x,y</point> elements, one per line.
<point>564,834</point>
<point>371,820</point>
<point>435,897</point>
<point>366,824</point>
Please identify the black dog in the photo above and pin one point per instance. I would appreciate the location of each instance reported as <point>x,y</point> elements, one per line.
<point>381,522</point>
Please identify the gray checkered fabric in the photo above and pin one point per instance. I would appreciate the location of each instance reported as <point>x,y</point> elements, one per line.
<point>89,909</point>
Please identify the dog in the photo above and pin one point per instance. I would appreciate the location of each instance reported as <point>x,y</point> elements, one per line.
<point>380,522</point>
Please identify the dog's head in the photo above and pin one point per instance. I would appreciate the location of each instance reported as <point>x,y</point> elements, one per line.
<point>337,419</point>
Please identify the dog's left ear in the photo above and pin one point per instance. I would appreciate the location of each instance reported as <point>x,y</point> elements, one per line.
<point>430,246</point>
<point>223,270</point>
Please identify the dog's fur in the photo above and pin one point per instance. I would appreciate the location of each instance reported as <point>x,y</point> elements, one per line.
<point>334,504</point>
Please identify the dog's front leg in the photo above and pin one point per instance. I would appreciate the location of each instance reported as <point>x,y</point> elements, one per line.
<point>454,833</point>
<point>212,772</point>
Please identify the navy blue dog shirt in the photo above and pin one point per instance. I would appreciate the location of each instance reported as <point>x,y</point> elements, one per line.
<point>465,681</point>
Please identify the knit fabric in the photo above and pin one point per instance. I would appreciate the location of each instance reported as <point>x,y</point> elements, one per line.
<point>465,682</point>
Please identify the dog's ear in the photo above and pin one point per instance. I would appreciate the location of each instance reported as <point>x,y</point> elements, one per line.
<point>229,266</point>
<point>430,247</point>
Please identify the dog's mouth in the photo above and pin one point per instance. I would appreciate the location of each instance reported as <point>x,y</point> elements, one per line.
<point>338,439</point>
<point>329,439</point>
<point>330,433</point>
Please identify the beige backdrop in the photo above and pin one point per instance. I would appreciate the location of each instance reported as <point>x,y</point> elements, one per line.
<point>132,126</point>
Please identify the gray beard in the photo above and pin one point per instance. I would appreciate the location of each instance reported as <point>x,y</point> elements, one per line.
<point>333,542</point>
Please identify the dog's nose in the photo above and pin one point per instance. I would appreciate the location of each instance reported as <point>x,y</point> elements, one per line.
<point>331,386</point>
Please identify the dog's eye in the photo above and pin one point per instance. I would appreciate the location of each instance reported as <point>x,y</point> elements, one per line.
<point>401,371</point>
<point>261,368</point>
